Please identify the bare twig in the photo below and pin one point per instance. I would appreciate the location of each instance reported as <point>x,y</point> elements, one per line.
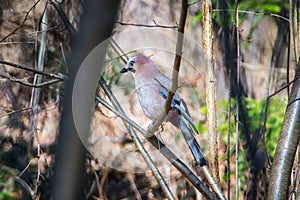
<point>17,42</point>
<point>133,186</point>
<point>18,178</point>
<point>288,60</point>
<point>237,96</point>
<point>283,87</point>
<point>26,186</point>
<point>119,51</point>
<point>64,17</point>
<point>14,111</point>
<point>60,76</point>
<point>24,170</point>
<point>292,32</point>
<point>263,131</point>
<point>146,25</point>
<point>52,28</point>
<point>91,190</point>
<point>253,13</point>
<point>291,45</point>
<point>64,57</point>
<point>38,85</point>
<point>22,23</point>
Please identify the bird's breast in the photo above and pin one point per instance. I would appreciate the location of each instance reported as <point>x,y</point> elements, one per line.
<point>150,100</point>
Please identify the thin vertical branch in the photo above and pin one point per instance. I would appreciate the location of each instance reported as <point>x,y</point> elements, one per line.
<point>37,77</point>
<point>298,28</point>
<point>176,67</point>
<point>228,132</point>
<point>237,97</point>
<point>292,30</point>
<point>210,88</point>
<point>63,17</point>
<point>288,62</point>
<point>291,43</point>
<point>35,96</point>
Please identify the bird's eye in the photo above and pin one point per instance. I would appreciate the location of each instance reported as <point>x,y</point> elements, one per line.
<point>131,63</point>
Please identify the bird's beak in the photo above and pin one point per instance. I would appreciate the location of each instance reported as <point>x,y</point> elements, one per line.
<point>124,70</point>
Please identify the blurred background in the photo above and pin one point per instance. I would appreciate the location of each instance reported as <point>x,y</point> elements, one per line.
<point>29,120</point>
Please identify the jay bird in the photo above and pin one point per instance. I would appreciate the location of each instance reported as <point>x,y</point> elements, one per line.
<point>152,89</point>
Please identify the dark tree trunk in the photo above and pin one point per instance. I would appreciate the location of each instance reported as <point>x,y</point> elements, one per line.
<point>96,26</point>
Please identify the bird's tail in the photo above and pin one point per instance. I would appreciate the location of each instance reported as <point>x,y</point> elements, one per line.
<point>195,148</point>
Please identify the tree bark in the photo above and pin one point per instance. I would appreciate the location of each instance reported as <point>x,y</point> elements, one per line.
<point>210,88</point>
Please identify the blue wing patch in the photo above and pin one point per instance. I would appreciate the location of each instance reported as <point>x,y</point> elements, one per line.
<point>164,95</point>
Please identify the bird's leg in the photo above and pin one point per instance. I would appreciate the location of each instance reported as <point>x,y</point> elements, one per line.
<point>162,128</point>
<point>149,128</point>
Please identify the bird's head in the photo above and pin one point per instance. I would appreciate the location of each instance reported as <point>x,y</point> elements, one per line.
<point>138,64</point>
